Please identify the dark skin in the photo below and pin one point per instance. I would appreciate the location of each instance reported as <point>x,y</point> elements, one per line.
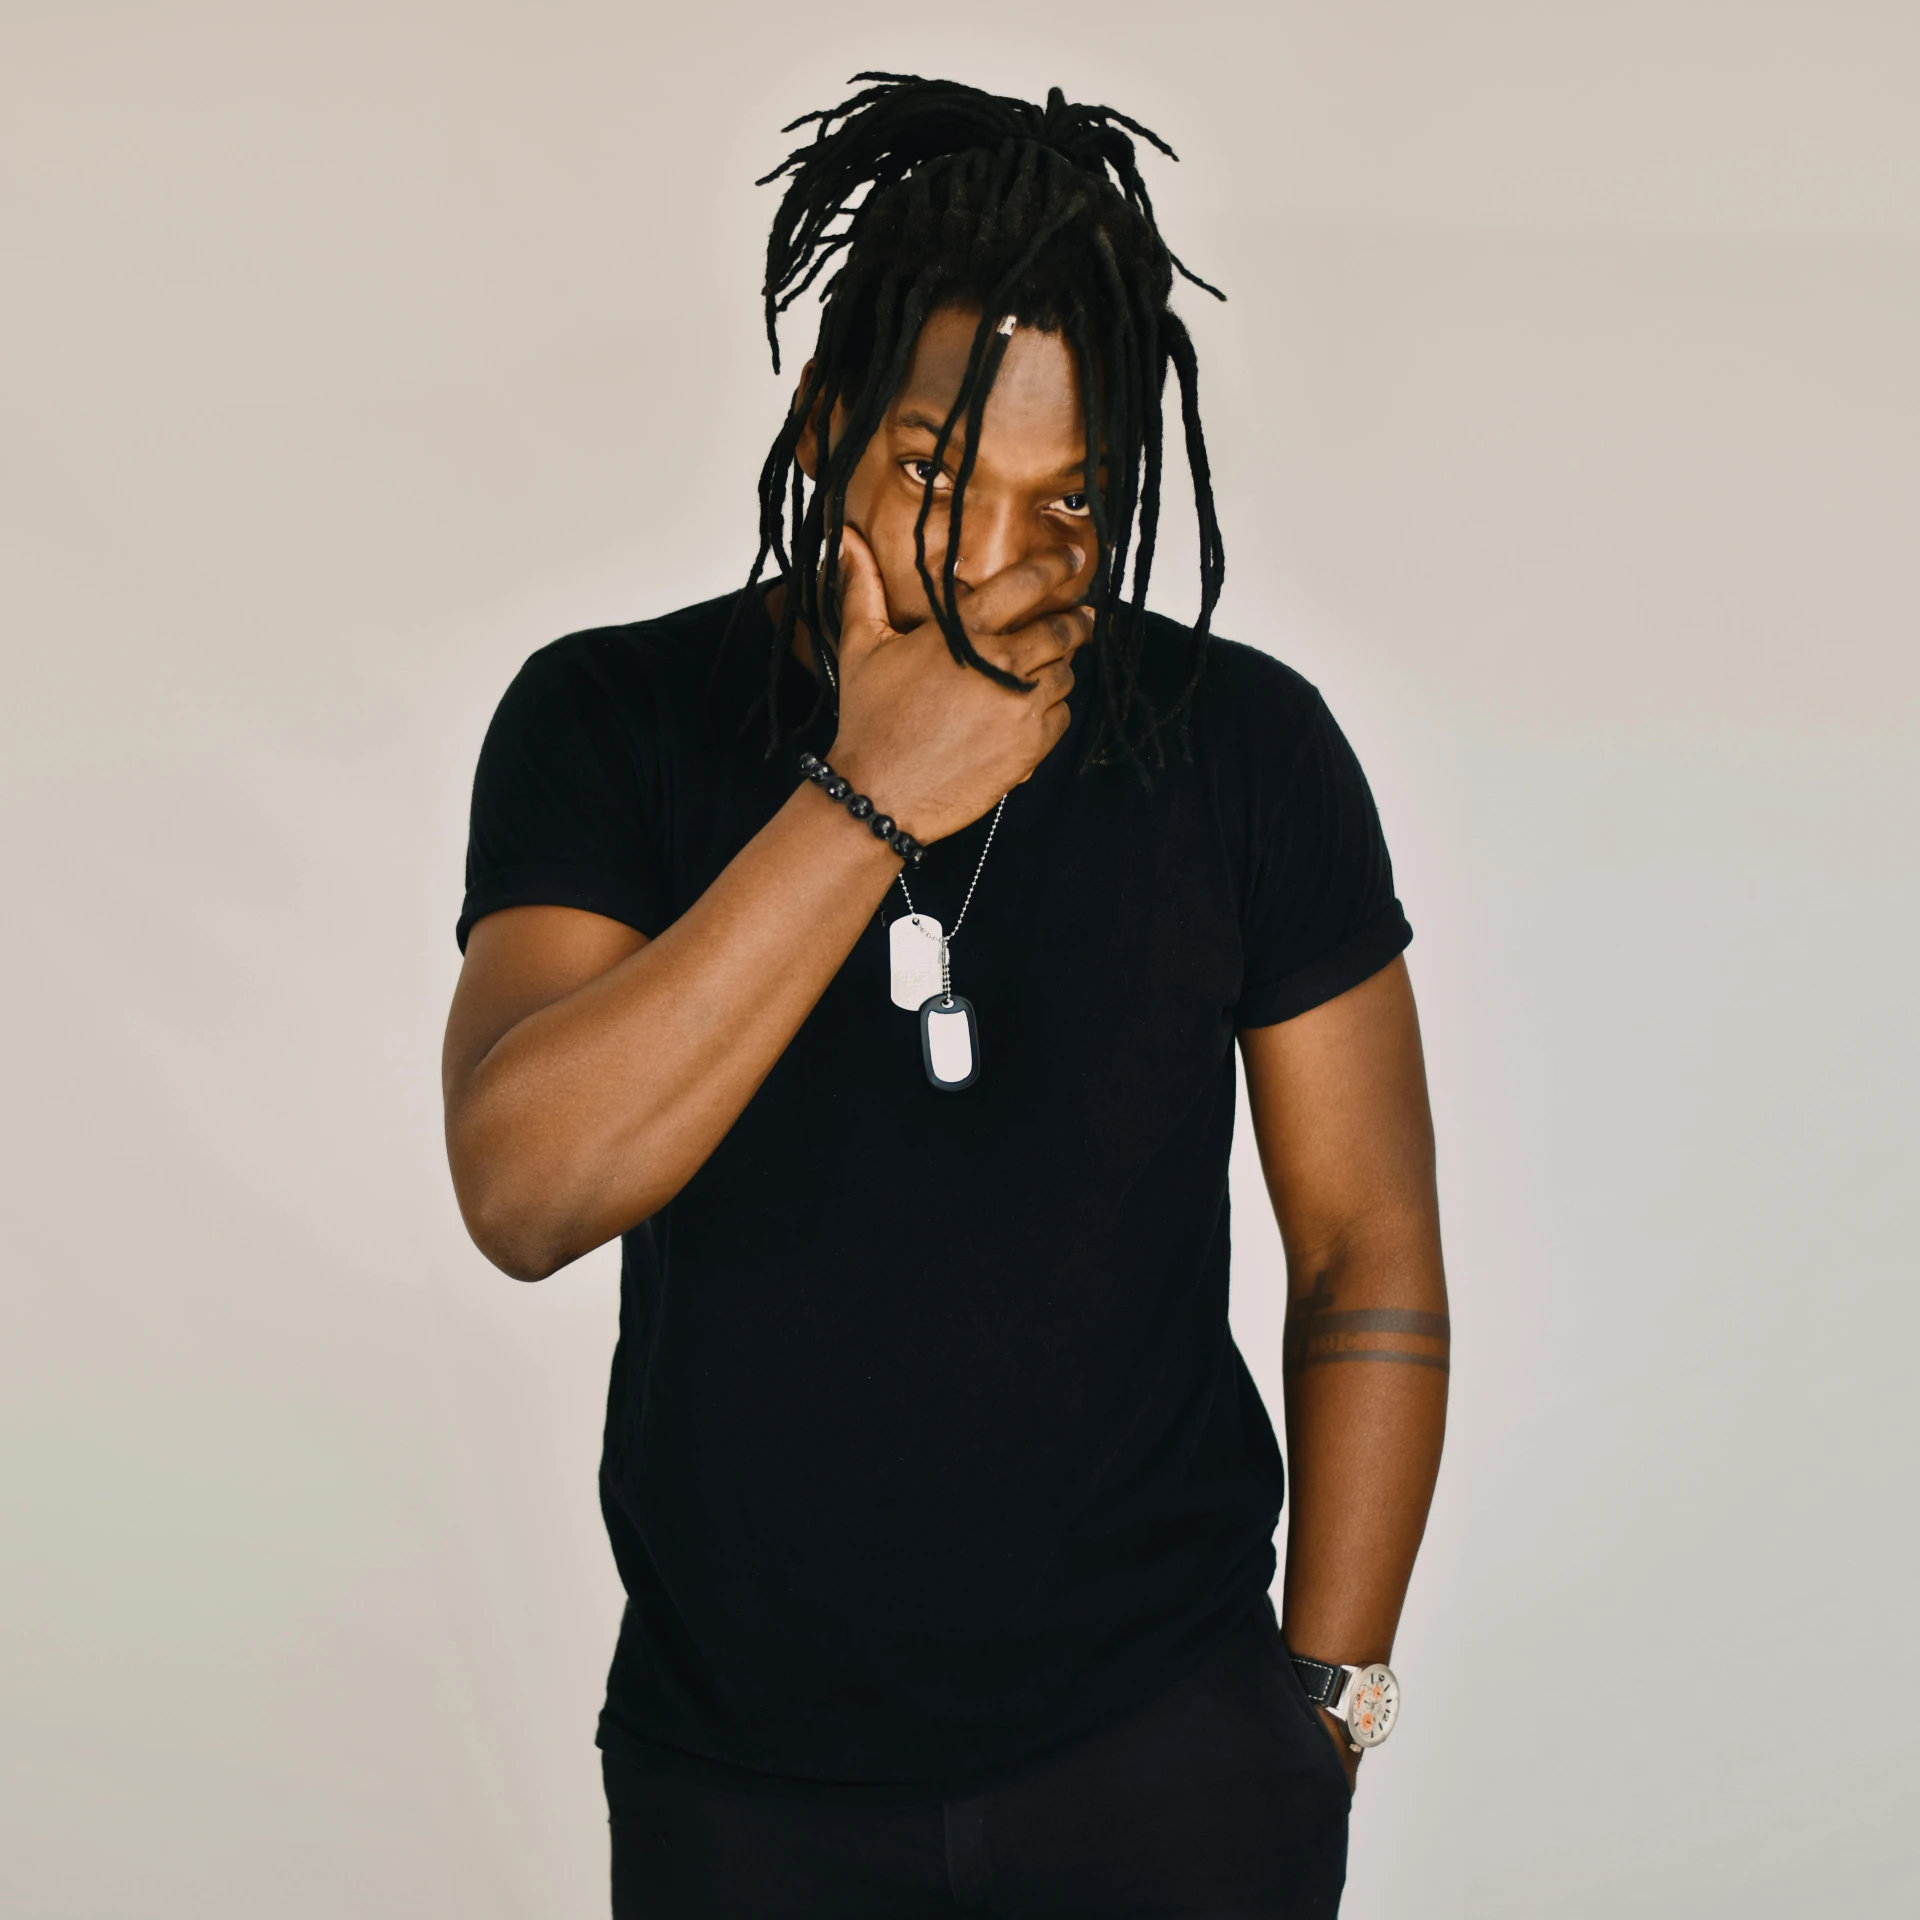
<point>588,1072</point>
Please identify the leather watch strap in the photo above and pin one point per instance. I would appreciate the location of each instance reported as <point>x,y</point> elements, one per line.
<point>1321,1682</point>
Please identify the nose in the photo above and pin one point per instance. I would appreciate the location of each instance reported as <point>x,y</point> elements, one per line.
<point>994,535</point>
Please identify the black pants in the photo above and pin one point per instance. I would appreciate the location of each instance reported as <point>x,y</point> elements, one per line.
<point>1220,1799</point>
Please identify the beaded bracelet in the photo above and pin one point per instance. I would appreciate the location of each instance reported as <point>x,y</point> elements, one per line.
<point>882,825</point>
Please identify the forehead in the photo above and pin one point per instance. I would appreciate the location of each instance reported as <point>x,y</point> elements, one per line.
<point>1033,413</point>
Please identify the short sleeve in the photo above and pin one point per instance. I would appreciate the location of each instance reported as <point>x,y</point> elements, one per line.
<point>565,797</point>
<point>1321,914</point>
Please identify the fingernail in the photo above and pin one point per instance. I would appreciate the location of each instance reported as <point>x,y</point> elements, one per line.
<point>1079,558</point>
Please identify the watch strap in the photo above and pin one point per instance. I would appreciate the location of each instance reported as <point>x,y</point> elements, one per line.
<point>1320,1682</point>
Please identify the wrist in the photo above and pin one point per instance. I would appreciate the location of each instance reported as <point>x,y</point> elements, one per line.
<point>1360,1702</point>
<point>862,810</point>
<point>881,782</point>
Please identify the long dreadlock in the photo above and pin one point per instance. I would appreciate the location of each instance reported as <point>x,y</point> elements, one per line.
<point>931,194</point>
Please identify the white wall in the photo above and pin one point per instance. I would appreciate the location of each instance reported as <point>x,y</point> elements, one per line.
<point>1565,414</point>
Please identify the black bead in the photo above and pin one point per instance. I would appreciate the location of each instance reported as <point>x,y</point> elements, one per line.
<point>860,806</point>
<point>837,789</point>
<point>882,825</point>
<point>808,762</point>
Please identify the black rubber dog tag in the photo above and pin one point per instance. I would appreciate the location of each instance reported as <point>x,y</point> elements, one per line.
<point>950,1042</point>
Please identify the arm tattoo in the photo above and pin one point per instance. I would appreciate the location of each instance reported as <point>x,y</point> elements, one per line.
<point>1317,1336</point>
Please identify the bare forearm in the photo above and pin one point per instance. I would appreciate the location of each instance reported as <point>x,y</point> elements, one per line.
<point>1366,1384</point>
<point>589,1114</point>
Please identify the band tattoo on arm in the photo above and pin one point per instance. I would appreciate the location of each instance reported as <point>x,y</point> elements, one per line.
<point>1318,1336</point>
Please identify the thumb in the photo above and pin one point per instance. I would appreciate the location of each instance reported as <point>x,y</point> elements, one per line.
<point>863,600</point>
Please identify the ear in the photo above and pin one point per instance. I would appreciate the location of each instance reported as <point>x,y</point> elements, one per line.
<point>808,450</point>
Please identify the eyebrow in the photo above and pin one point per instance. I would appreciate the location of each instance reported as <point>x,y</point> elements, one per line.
<point>915,422</point>
<point>925,423</point>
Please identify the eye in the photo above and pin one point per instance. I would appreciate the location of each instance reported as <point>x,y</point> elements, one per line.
<point>925,474</point>
<point>1076,506</point>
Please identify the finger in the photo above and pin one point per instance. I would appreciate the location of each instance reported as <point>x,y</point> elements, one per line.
<point>863,599</point>
<point>1049,685</point>
<point>1016,593</point>
<point>1053,682</point>
<point>1054,722</point>
<point>1055,636</point>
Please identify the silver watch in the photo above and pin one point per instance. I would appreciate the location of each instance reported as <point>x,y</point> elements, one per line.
<point>1365,1700</point>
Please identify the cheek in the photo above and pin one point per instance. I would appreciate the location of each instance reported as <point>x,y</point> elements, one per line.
<point>885,511</point>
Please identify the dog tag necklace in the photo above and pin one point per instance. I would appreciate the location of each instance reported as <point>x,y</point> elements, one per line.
<point>920,951</point>
<point>921,967</point>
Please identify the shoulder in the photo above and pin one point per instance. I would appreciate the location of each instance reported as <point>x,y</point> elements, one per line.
<point>604,709</point>
<point>643,665</point>
<point>1250,707</point>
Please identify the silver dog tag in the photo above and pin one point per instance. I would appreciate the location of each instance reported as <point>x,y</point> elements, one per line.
<point>913,948</point>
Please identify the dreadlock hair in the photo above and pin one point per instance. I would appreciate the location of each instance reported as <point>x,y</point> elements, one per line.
<point>932,194</point>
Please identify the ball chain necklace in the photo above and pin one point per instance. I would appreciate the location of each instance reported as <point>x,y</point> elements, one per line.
<point>921,963</point>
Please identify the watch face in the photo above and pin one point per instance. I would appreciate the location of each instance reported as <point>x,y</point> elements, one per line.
<point>1373,1705</point>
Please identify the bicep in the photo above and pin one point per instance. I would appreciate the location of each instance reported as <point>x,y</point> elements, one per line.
<point>1338,1098</point>
<point>520,960</point>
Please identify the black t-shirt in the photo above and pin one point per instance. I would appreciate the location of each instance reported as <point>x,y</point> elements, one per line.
<point>927,1446</point>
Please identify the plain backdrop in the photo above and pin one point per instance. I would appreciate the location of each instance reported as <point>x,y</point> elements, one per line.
<point>1565,419</point>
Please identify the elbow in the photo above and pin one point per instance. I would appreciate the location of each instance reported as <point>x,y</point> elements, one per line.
<point>519,1236</point>
<point>513,1214</point>
<point>516,1245</point>
<point>530,1232</point>
<point>534,1205</point>
<point>524,1261</point>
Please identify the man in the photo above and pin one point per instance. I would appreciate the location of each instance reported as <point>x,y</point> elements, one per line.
<point>869,954</point>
